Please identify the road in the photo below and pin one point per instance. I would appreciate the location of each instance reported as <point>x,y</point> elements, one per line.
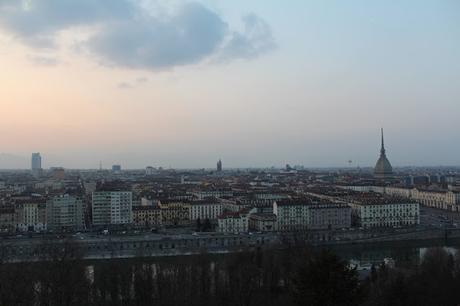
<point>438,218</point>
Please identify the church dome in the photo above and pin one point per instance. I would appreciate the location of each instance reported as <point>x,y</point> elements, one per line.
<point>383,167</point>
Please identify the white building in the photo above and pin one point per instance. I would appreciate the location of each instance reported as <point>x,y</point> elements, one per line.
<point>441,199</point>
<point>233,222</point>
<point>430,198</point>
<point>311,214</point>
<point>453,199</point>
<point>397,191</point>
<point>291,215</point>
<point>112,207</point>
<point>271,196</point>
<point>65,211</point>
<point>147,202</point>
<point>264,201</point>
<point>150,171</point>
<point>263,222</point>
<point>205,209</point>
<point>218,193</point>
<point>31,216</point>
<point>230,205</point>
<point>373,211</point>
<point>19,188</point>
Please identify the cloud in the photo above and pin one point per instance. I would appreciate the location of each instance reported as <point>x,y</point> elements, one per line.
<point>44,60</point>
<point>37,22</point>
<point>124,85</point>
<point>141,80</point>
<point>127,35</point>
<point>135,83</point>
<point>146,42</point>
<point>256,39</point>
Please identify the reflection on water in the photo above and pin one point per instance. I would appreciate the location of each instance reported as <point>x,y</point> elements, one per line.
<point>363,259</point>
<point>450,250</point>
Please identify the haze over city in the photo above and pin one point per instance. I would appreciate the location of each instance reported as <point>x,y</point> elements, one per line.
<point>256,83</point>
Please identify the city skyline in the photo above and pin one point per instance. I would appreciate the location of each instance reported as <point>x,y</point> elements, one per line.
<point>180,84</point>
<point>20,160</point>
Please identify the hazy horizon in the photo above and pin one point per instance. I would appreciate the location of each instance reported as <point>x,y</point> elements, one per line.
<point>21,162</point>
<point>255,83</point>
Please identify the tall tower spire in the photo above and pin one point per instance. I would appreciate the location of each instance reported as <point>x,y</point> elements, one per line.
<point>382,149</point>
<point>383,169</point>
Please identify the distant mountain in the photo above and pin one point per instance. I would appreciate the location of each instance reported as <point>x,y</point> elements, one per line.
<point>11,161</point>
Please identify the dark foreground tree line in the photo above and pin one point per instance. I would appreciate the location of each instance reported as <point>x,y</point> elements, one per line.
<point>288,277</point>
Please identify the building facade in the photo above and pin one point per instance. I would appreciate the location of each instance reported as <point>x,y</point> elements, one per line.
<point>112,207</point>
<point>311,214</point>
<point>174,212</point>
<point>263,222</point>
<point>291,215</point>
<point>65,212</point>
<point>441,199</point>
<point>205,209</point>
<point>7,219</point>
<point>217,193</point>
<point>233,222</point>
<point>31,216</point>
<point>329,216</point>
<point>388,212</point>
<point>147,216</point>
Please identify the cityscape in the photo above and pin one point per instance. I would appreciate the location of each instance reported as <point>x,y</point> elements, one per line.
<point>267,207</point>
<point>222,153</point>
<point>114,214</point>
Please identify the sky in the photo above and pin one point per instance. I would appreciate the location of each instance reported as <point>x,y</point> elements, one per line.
<point>257,83</point>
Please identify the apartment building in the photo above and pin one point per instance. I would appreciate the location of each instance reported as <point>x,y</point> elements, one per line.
<point>233,222</point>
<point>65,211</point>
<point>213,193</point>
<point>147,216</point>
<point>111,207</point>
<point>174,212</point>
<point>209,208</point>
<point>263,222</point>
<point>31,216</point>
<point>7,218</point>
<point>326,215</point>
<point>311,213</point>
<point>373,210</point>
<point>292,215</point>
<point>441,199</point>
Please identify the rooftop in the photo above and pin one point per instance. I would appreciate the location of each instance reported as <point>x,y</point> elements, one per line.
<point>263,216</point>
<point>233,214</point>
<point>371,198</point>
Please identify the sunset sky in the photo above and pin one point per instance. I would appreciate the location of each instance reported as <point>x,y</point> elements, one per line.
<point>256,83</point>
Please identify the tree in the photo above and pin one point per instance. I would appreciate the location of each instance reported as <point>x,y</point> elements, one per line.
<point>325,280</point>
<point>207,225</point>
<point>61,277</point>
<point>434,284</point>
